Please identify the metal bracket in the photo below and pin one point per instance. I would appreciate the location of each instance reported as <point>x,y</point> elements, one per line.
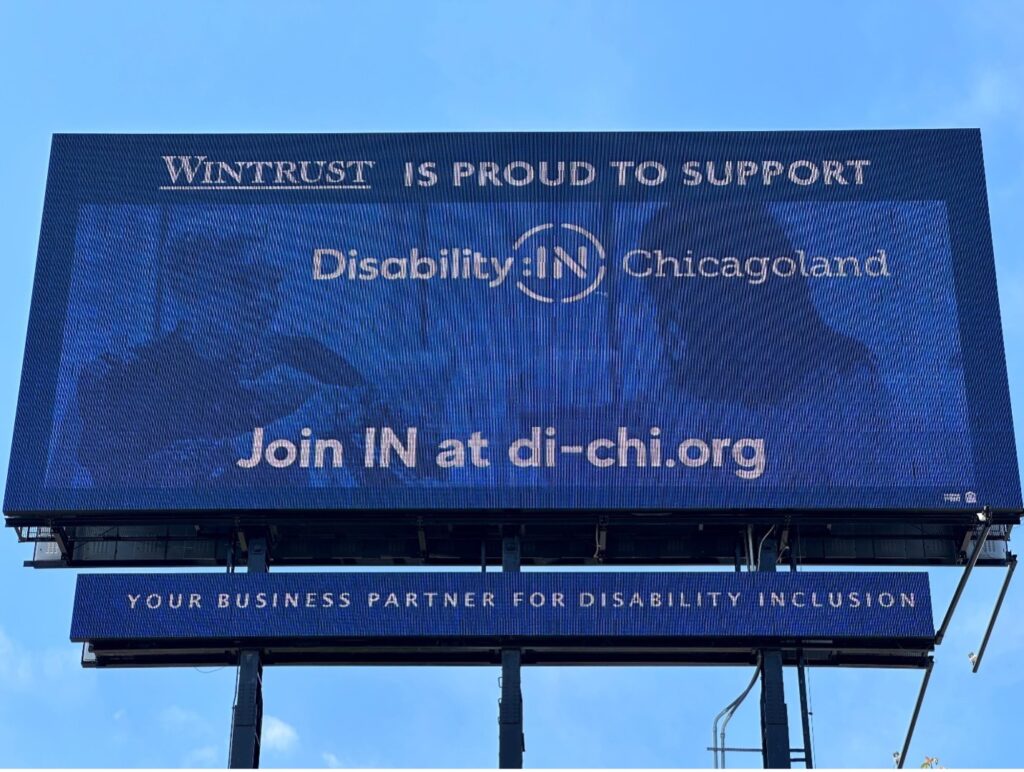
<point>63,544</point>
<point>257,558</point>
<point>421,536</point>
<point>600,539</point>
<point>510,553</point>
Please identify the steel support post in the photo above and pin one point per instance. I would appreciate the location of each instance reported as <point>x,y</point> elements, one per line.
<point>805,714</point>
<point>774,714</point>
<point>511,741</point>
<point>247,714</point>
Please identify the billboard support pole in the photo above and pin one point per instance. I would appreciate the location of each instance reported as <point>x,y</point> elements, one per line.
<point>511,741</point>
<point>1012,559</point>
<point>805,715</point>
<point>979,544</point>
<point>774,715</point>
<point>247,714</point>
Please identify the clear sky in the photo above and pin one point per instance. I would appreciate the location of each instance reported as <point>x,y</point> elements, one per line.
<point>466,66</point>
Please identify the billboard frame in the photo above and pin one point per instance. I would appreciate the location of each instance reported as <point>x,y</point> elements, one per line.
<point>81,177</point>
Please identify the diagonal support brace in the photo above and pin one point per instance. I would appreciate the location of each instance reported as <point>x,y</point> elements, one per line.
<point>979,545</point>
<point>1011,567</point>
<point>917,712</point>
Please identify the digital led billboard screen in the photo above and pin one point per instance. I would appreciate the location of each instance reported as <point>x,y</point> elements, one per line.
<point>435,323</point>
<point>593,605</point>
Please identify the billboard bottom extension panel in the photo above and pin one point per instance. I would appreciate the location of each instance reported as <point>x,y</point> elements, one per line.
<point>405,608</point>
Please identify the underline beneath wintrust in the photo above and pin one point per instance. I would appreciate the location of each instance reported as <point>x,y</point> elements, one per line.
<point>265,187</point>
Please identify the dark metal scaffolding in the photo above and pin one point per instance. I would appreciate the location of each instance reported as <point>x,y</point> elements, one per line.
<point>768,655</point>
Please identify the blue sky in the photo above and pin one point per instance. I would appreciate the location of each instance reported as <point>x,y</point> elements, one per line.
<point>462,66</point>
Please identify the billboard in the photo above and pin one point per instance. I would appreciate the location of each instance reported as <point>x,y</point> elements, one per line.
<point>799,321</point>
<point>429,606</point>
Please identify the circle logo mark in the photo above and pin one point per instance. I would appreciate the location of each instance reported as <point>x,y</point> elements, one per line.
<point>559,263</point>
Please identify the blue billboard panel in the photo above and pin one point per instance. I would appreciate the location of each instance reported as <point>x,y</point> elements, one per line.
<point>593,605</point>
<point>704,322</point>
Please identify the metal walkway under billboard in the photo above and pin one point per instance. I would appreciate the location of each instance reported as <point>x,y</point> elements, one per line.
<point>561,539</point>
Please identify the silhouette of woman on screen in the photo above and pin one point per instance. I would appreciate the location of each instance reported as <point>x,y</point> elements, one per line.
<point>755,354</point>
<point>730,339</point>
